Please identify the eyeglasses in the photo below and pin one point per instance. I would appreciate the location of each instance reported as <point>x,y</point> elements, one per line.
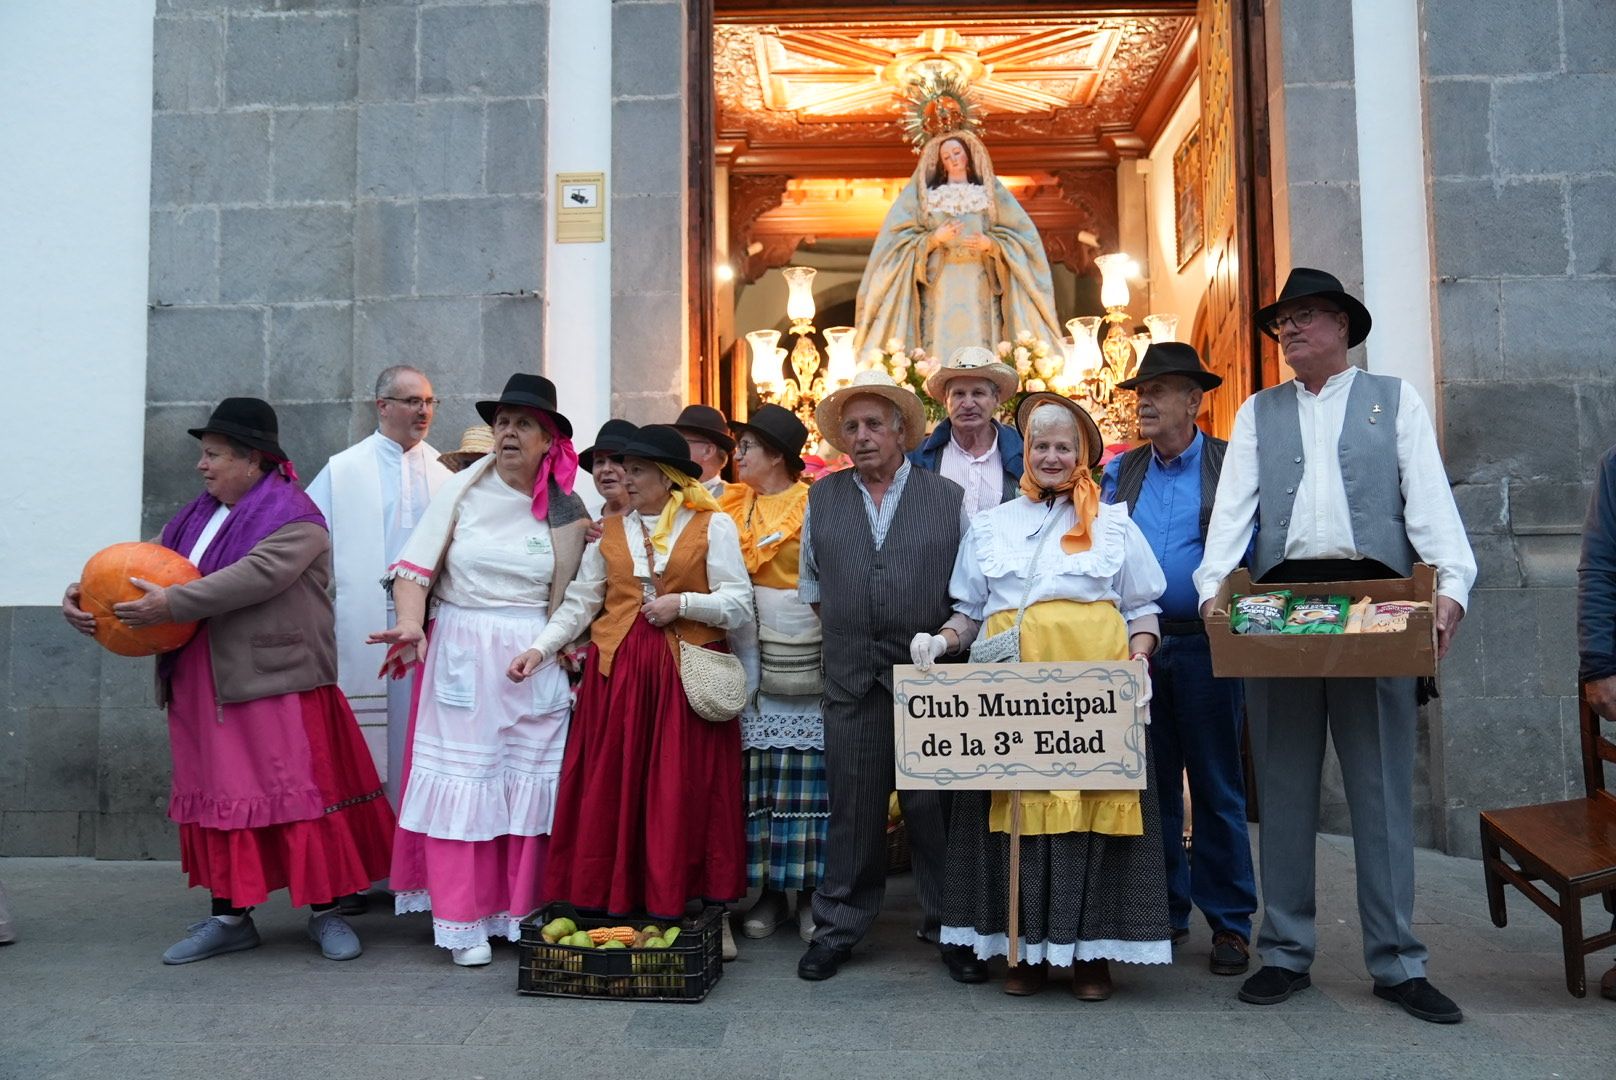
<point>1301,318</point>
<point>745,446</point>
<point>416,402</point>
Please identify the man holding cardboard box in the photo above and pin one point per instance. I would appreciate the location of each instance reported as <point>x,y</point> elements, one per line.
<point>1342,469</point>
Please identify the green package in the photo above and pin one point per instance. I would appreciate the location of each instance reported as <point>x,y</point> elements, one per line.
<point>1259,613</point>
<point>1317,615</point>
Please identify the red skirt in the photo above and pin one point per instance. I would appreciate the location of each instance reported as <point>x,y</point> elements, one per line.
<point>650,812</point>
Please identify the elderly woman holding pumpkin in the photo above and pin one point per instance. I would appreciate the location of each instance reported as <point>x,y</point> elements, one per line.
<point>649,813</point>
<point>1093,886</point>
<point>496,549</point>
<point>273,787</point>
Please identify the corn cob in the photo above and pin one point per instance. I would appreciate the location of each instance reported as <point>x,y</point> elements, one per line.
<point>602,934</point>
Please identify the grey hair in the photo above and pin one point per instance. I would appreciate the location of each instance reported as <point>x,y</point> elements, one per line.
<point>387,381</point>
<point>1050,415</point>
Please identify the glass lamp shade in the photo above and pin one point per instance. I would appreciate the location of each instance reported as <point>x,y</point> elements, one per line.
<point>766,370</point>
<point>1070,374</point>
<point>1162,327</point>
<point>800,302</point>
<point>1113,279</point>
<point>840,366</point>
<point>1086,345</point>
<point>1141,342</point>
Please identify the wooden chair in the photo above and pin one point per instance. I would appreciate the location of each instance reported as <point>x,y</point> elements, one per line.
<point>1569,846</point>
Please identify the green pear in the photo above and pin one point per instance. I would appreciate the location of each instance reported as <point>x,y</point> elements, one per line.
<point>672,935</point>
<point>614,944</point>
<point>657,943</point>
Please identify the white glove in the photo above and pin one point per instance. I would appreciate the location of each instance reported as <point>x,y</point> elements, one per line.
<point>1146,692</point>
<point>924,650</point>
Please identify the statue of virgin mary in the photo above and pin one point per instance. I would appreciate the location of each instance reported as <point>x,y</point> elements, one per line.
<point>957,262</point>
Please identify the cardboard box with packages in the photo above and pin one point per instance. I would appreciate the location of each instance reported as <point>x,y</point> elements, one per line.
<point>1408,652</point>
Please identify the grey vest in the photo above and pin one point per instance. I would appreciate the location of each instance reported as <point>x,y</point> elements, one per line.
<point>1369,471</point>
<point>1136,463</point>
<point>872,602</point>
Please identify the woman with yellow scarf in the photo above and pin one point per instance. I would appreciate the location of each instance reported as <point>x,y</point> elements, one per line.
<point>1093,885</point>
<point>648,816</point>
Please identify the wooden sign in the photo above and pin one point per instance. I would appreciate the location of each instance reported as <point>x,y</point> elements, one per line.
<point>1016,727</point>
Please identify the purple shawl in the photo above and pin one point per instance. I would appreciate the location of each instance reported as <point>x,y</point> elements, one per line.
<point>272,503</point>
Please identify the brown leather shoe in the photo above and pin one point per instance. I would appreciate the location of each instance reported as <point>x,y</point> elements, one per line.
<point>1230,953</point>
<point>1025,980</point>
<point>1091,980</point>
<point>1607,985</point>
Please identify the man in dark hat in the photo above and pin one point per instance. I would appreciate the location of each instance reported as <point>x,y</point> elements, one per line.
<point>1168,484</point>
<point>1342,467</point>
<point>708,435</point>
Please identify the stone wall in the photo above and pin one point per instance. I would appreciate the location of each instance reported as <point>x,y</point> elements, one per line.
<point>1523,181</point>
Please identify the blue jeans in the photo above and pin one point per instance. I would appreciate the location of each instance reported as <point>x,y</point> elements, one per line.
<point>1195,726</point>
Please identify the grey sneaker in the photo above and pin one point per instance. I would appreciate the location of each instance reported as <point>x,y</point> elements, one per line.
<point>210,938</point>
<point>336,938</point>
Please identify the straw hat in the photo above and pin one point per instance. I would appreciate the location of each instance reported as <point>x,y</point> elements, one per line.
<point>974,362</point>
<point>475,441</point>
<point>829,414</point>
<point>1091,430</point>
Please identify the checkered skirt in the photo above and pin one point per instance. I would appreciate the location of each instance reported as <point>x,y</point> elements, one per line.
<point>787,814</point>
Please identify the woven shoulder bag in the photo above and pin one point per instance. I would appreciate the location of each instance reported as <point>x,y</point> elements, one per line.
<point>714,682</point>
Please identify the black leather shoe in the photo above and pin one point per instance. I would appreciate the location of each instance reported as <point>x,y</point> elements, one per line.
<point>821,961</point>
<point>1271,985</point>
<point>963,966</point>
<point>1420,999</point>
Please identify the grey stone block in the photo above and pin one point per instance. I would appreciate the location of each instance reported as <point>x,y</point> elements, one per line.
<point>311,353</point>
<point>1508,623</point>
<point>647,237</point>
<point>136,836</point>
<point>13,758</point>
<point>1503,752</point>
<point>439,335</point>
<point>210,158</point>
<point>1547,503</point>
<point>386,54</point>
<point>513,338</point>
<point>1488,37</point>
<point>286,253</point>
<point>204,354</point>
<point>1580,341</point>
<point>1590,34</point>
<point>1462,669</point>
<point>1327,229</point>
<point>428,149</point>
<point>44,832</point>
<point>1483,507</point>
<point>384,249</point>
<point>1557,645</point>
<point>1593,241</point>
<point>169,474</point>
<point>188,55</point>
<point>127,682</point>
<point>648,147</point>
<point>1487,230</point>
<point>476,246</point>
<point>292,60</point>
<point>62,754</point>
<point>1526,141</point>
<point>1471,340</point>
<point>648,50</point>
<point>1496,431</point>
<point>515,163</point>
<point>636,320</point>
<point>1498,564</point>
<point>316,153</point>
<point>1596,424</point>
<point>52,666</point>
<point>184,256</point>
<point>312,433</point>
<point>1549,561</point>
<point>1321,135</point>
<point>1460,117</point>
<point>484,51</point>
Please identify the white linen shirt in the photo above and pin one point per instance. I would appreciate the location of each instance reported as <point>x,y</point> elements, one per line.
<point>981,478</point>
<point>499,556</point>
<point>990,571</point>
<point>1320,520</point>
<point>727,606</point>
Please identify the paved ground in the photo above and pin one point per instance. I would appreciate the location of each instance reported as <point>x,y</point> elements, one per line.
<point>83,995</point>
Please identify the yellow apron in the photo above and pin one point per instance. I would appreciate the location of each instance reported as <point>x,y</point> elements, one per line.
<point>1055,631</point>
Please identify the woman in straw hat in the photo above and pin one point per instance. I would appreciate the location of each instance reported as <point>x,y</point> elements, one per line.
<point>1093,886</point>
<point>649,815</point>
<point>475,441</point>
<point>499,544</point>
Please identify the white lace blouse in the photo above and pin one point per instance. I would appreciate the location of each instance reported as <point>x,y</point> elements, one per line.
<point>957,198</point>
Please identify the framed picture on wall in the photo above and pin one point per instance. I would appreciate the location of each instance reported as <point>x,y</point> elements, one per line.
<point>1187,195</point>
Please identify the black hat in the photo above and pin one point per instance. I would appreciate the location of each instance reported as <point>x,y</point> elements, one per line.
<point>529,391</point>
<point>706,422</point>
<point>249,421</point>
<point>780,428</point>
<point>661,443</point>
<point>1304,282</point>
<point>1172,358</point>
<point>608,440</point>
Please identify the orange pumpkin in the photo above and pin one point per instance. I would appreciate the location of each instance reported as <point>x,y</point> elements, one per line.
<point>105,582</point>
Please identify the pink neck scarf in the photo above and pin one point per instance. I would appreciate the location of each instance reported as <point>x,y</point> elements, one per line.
<point>560,462</point>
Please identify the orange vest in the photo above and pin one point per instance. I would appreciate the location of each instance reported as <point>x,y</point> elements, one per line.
<point>686,572</point>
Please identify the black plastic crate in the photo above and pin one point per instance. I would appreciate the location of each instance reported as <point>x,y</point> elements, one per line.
<point>686,971</point>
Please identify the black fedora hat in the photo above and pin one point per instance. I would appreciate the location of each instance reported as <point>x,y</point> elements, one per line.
<point>780,428</point>
<point>662,443</point>
<point>249,421</point>
<point>706,422</point>
<point>608,441</point>
<point>1172,358</point>
<point>529,391</point>
<point>1305,282</point>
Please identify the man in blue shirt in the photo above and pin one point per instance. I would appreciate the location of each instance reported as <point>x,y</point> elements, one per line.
<point>1168,484</point>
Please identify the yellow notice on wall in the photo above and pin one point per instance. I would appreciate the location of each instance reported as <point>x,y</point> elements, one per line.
<point>580,208</point>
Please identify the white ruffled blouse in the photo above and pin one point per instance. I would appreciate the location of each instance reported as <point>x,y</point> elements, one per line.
<point>991,567</point>
<point>957,199</point>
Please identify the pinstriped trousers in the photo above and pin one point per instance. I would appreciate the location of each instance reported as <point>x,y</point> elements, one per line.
<point>859,776</point>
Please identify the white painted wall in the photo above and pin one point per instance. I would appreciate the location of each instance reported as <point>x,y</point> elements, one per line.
<point>578,289</point>
<point>1391,180</point>
<point>75,195</point>
<point>1173,290</point>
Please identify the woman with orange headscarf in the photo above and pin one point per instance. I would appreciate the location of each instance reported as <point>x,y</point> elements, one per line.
<point>1093,887</point>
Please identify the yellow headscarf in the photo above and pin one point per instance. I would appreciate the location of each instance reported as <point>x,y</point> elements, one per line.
<point>688,493</point>
<point>1079,485</point>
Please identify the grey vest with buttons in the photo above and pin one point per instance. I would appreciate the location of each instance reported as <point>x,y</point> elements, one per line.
<point>871,603</point>
<point>1369,471</point>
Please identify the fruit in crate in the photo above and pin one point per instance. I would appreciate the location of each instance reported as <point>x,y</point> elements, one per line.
<point>556,929</point>
<point>671,935</point>
<point>579,940</point>
<point>602,934</point>
<point>613,944</point>
<point>657,943</point>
